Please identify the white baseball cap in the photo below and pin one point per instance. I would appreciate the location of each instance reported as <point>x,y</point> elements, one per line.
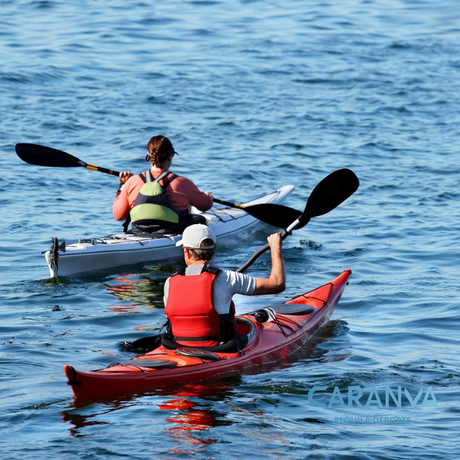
<point>195,234</point>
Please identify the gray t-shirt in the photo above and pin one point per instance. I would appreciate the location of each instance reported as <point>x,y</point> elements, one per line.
<point>226,284</point>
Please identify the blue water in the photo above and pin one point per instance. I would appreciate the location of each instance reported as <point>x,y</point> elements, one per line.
<point>254,95</point>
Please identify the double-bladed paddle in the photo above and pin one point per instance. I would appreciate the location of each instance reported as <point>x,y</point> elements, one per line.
<point>326,196</point>
<point>39,155</point>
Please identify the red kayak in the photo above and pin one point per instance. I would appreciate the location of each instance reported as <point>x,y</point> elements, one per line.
<point>288,326</point>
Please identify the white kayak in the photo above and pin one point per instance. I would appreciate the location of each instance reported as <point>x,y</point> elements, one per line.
<point>128,249</point>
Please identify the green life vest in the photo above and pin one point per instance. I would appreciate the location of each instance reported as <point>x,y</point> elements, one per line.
<point>152,210</point>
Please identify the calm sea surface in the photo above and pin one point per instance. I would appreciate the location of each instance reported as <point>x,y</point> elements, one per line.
<point>254,95</point>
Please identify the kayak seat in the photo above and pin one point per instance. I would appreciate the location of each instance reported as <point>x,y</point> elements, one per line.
<point>227,347</point>
<point>294,309</point>
<point>150,363</point>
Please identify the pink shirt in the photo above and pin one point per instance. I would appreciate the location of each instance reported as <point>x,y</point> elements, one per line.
<point>181,193</point>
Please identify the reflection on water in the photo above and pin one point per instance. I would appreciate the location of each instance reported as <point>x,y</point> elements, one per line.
<point>189,416</point>
<point>134,290</point>
<point>190,410</point>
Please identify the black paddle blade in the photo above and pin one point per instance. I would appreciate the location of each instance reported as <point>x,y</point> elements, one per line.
<point>329,193</point>
<point>46,156</point>
<point>274,214</point>
<point>142,345</point>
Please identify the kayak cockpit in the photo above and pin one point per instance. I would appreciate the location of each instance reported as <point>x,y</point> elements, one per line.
<point>246,327</point>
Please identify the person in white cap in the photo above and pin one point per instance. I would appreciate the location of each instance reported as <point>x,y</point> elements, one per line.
<point>198,298</point>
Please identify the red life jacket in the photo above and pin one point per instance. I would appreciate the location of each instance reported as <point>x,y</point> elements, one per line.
<point>190,310</point>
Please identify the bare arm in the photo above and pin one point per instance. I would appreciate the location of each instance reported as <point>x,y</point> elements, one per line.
<point>276,282</point>
<point>121,205</point>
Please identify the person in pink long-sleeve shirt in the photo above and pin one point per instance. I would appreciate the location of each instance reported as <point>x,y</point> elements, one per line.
<point>180,192</point>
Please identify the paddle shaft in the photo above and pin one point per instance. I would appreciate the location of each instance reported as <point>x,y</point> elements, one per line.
<point>265,248</point>
<point>227,203</point>
<point>104,170</point>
